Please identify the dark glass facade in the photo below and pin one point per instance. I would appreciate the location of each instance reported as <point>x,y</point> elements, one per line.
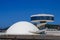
<point>52,26</point>
<point>42,18</point>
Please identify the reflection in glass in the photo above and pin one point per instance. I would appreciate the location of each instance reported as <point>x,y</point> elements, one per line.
<point>42,18</point>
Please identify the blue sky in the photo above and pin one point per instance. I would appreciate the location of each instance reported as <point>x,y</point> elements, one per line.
<point>12,11</point>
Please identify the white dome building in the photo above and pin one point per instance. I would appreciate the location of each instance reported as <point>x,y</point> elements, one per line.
<point>22,28</point>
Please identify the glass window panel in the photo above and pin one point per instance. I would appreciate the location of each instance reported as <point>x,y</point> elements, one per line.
<point>42,18</point>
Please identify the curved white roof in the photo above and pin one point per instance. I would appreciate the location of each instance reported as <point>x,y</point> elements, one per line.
<point>42,15</point>
<point>22,27</point>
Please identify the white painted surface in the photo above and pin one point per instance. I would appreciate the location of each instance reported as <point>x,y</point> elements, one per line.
<point>56,33</point>
<point>22,28</point>
<point>42,15</point>
<point>2,33</point>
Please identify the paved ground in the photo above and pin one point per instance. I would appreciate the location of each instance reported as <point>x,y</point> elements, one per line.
<point>37,37</point>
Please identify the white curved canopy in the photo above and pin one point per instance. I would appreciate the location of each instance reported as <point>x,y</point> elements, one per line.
<point>42,15</point>
<point>22,27</point>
